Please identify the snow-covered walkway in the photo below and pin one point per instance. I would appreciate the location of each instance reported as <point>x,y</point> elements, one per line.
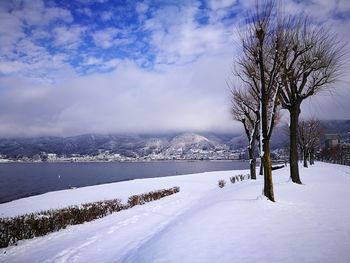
<point>202,223</point>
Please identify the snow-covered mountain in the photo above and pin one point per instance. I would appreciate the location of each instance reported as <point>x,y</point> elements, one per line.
<point>187,141</point>
<point>125,145</point>
<point>164,146</point>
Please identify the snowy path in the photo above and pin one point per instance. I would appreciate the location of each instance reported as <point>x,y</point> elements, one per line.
<point>117,233</point>
<point>202,223</point>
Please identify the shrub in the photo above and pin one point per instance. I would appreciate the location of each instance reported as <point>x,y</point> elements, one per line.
<point>221,183</point>
<point>239,177</point>
<point>41,223</point>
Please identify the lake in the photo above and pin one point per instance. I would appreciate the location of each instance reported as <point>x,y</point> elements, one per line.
<point>19,180</point>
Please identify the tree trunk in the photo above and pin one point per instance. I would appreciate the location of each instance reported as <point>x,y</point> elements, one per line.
<point>252,160</point>
<point>268,186</point>
<point>264,127</point>
<point>293,137</point>
<point>305,157</point>
<point>312,157</point>
<point>261,171</point>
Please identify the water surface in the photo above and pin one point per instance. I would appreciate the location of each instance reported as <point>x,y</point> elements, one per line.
<point>19,180</point>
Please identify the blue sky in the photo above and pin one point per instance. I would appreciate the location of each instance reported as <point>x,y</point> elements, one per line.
<point>94,36</point>
<point>72,67</point>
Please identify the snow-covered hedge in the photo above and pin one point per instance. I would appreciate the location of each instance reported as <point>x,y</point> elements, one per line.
<point>41,223</point>
<point>239,177</point>
<point>150,196</point>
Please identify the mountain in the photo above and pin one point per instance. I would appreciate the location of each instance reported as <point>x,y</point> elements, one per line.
<point>187,141</point>
<point>183,145</point>
<point>125,145</point>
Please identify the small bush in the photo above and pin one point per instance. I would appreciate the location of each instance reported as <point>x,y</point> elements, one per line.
<point>41,223</point>
<point>239,177</point>
<point>222,183</point>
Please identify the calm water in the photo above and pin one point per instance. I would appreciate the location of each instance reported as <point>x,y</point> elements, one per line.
<point>25,179</point>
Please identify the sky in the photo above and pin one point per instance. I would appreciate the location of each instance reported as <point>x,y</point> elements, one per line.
<point>77,67</point>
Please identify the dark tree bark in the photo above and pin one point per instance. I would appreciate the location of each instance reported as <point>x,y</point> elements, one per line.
<point>293,137</point>
<point>261,166</point>
<point>261,169</point>
<point>312,157</point>
<point>252,161</point>
<point>268,186</point>
<point>305,157</point>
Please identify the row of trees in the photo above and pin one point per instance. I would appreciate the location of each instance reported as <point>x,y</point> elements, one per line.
<point>339,154</point>
<point>309,133</point>
<point>284,61</point>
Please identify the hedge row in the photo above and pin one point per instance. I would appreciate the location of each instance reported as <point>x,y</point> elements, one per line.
<point>239,177</point>
<point>41,223</point>
<point>234,179</point>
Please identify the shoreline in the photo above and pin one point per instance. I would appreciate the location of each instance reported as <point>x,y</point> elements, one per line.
<point>130,161</point>
<point>123,189</point>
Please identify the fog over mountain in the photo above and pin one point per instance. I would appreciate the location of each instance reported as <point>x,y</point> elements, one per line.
<point>132,145</point>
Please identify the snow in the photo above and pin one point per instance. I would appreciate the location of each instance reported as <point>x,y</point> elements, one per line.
<point>202,223</point>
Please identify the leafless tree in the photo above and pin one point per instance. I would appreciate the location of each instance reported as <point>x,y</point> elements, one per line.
<point>258,69</point>
<point>309,133</point>
<point>245,109</point>
<point>312,59</point>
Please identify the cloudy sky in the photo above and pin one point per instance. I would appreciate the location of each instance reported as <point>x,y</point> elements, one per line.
<point>74,67</point>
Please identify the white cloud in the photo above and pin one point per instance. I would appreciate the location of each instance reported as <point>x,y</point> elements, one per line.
<point>92,61</point>
<point>23,23</point>
<point>343,6</point>
<point>112,37</point>
<point>141,7</point>
<point>68,37</point>
<point>98,64</point>
<point>127,99</point>
<point>178,38</point>
<point>86,11</point>
<point>33,61</point>
<point>10,32</point>
<point>219,4</point>
<point>104,38</point>
<point>105,16</point>
<point>35,13</point>
<point>9,67</point>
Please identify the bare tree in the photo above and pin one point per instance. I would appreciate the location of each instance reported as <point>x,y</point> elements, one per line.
<point>258,69</point>
<point>245,109</point>
<point>309,132</point>
<point>311,62</point>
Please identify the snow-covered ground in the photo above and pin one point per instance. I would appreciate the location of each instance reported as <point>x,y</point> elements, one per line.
<point>202,223</point>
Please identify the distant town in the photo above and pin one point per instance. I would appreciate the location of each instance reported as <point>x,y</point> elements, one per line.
<point>106,156</point>
<point>333,148</point>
